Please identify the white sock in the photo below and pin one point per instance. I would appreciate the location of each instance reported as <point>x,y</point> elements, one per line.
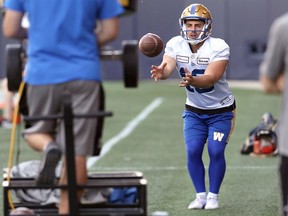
<point>45,146</point>
<point>201,195</point>
<point>212,195</point>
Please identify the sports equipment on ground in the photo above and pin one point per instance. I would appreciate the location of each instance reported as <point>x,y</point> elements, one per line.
<point>265,142</point>
<point>151,45</point>
<point>196,12</point>
<point>262,140</point>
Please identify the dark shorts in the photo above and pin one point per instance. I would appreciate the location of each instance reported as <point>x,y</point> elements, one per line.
<point>47,100</point>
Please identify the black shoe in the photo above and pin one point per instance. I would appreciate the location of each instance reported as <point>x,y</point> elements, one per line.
<point>51,157</point>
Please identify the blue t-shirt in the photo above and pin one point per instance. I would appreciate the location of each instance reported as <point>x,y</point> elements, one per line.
<point>61,44</point>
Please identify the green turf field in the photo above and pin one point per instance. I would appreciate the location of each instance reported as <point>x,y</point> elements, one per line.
<point>154,145</point>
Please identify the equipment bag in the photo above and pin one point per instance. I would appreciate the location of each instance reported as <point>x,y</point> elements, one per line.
<point>262,140</point>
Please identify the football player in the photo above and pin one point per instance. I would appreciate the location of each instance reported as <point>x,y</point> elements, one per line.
<point>201,61</point>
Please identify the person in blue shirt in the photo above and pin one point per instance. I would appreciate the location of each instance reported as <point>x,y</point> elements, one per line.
<point>64,38</point>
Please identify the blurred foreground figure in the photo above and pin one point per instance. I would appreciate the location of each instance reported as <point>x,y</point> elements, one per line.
<point>273,76</point>
<point>63,58</point>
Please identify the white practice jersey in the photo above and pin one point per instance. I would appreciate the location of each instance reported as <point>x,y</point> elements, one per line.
<point>213,49</point>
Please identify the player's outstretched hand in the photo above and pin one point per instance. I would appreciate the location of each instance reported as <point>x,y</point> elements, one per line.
<point>187,79</point>
<point>157,72</point>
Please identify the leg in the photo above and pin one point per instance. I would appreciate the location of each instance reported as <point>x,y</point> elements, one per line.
<point>41,132</point>
<point>195,134</point>
<point>217,168</point>
<point>283,172</point>
<point>81,179</point>
<point>50,158</point>
<point>196,169</point>
<point>220,129</point>
<point>217,165</point>
<point>8,98</point>
<point>8,105</point>
<point>85,99</point>
<point>38,141</point>
<point>40,135</point>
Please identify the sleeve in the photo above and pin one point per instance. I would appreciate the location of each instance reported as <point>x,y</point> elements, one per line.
<point>273,61</point>
<point>222,51</point>
<point>169,48</point>
<point>15,5</point>
<point>109,9</point>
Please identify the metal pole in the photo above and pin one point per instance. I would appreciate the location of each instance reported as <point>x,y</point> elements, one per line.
<point>70,160</point>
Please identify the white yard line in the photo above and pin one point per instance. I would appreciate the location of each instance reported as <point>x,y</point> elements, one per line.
<point>125,132</point>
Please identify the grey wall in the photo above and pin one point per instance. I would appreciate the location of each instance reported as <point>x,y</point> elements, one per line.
<point>243,24</point>
<point>248,24</point>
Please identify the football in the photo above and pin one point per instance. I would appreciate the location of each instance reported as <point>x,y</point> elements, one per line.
<point>151,45</point>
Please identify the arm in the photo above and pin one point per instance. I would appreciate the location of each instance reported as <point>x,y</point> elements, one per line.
<point>273,86</point>
<point>272,67</point>
<point>164,70</point>
<point>12,25</point>
<point>107,30</point>
<point>213,74</point>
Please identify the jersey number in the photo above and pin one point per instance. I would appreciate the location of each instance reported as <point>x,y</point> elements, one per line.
<point>195,72</point>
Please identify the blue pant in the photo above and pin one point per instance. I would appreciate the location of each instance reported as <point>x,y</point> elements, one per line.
<point>214,129</point>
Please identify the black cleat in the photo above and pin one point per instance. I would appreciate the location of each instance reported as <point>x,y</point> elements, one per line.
<point>51,157</point>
